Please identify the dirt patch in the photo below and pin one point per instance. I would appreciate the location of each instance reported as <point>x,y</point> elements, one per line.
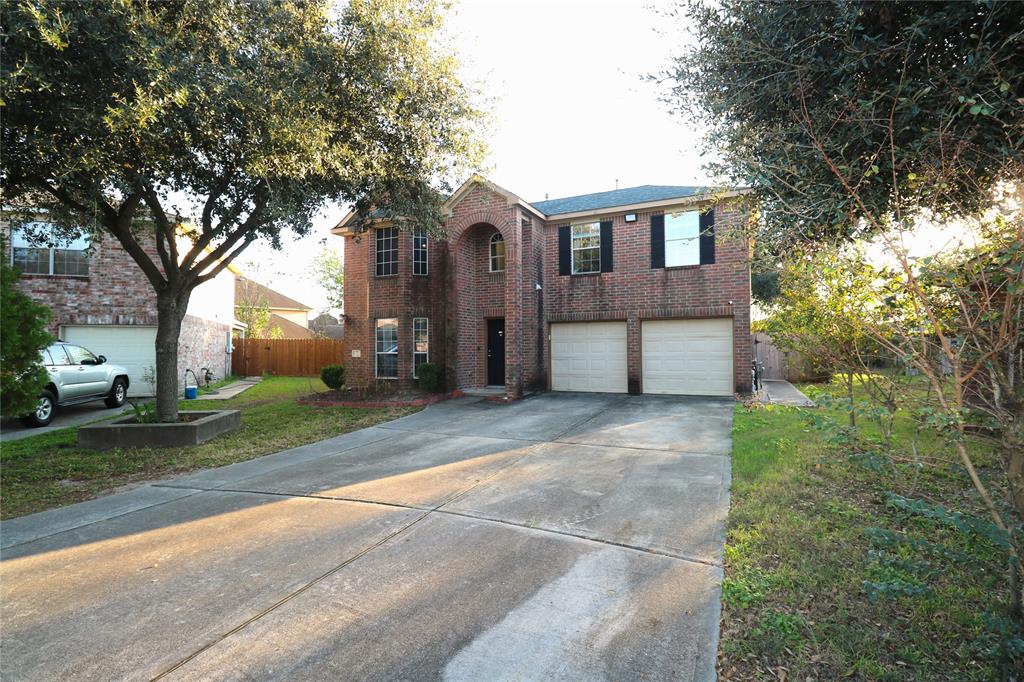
<point>356,398</point>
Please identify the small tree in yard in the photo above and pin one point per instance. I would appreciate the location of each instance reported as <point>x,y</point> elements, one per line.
<point>22,336</point>
<point>862,120</point>
<point>825,301</point>
<point>329,271</point>
<point>186,131</point>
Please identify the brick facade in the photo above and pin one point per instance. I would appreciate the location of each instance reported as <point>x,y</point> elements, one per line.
<point>459,295</point>
<point>117,292</point>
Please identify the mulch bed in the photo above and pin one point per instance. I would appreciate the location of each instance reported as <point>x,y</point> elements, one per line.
<point>355,398</point>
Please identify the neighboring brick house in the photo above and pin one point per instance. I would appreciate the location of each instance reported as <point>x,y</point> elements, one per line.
<point>101,300</point>
<point>632,290</point>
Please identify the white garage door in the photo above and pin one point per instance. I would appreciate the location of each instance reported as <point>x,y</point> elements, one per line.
<point>687,357</point>
<point>588,356</point>
<point>131,347</point>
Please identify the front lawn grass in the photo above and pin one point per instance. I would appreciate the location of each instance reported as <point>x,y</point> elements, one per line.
<point>806,515</point>
<point>50,470</point>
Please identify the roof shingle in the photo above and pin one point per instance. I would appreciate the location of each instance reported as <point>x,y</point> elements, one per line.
<point>616,197</point>
<point>250,292</point>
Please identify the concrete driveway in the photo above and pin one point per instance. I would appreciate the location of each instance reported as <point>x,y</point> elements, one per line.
<point>563,537</point>
<point>12,428</point>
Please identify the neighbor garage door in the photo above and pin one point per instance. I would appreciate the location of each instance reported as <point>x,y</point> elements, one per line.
<point>588,356</point>
<point>687,357</point>
<point>131,347</point>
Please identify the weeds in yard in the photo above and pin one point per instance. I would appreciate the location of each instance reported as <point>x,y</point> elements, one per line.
<point>849,559</point>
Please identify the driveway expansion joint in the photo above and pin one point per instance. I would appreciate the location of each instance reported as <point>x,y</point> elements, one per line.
<point>439,509</point>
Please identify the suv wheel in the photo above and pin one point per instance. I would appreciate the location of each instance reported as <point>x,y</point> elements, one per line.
<point>44,410</point>
<point>118,393</point>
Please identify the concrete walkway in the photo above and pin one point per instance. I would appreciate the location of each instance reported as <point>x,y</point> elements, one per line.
<point>780,392</point>
<point>231,390</point>
<point>562,537</point>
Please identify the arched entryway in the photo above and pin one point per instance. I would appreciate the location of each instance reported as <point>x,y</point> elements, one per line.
<point>480,271</point>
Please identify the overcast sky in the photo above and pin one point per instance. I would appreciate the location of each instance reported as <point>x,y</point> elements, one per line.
<point>571,111</point>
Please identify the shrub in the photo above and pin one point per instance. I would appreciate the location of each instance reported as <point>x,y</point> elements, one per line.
<point>429,377</point>
<point>333,376</point>
<point>22,338</point>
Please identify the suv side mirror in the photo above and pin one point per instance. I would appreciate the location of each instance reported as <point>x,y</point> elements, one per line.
<point>100,359</point>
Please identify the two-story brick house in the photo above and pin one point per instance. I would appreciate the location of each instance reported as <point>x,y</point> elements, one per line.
<point>101,299</point>
<point>640,290</point>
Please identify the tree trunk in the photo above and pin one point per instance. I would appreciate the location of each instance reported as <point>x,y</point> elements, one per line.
<point>849,394</point>
<point>170,312</point>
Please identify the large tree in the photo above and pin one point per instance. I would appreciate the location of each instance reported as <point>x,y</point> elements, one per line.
<point>854,119</point>
<point>843,115</point>
<point>188,130</point>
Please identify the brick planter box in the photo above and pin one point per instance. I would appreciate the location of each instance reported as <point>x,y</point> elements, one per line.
<point>122,433</point>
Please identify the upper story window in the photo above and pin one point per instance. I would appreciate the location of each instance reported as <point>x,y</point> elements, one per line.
<point>387,251</point>
<point>66,258</point>
<point>419,252</point>
<point>497,259</point>
<point>586,248</point>
<point>682,238</point>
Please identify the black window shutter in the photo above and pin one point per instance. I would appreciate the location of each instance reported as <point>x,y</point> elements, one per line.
<point>707,237</point>
<point>606,246</point>
<point>564,250</point>
<point>657,241</point>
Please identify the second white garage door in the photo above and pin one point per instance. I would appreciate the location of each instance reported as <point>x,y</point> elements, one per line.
<point>131,347</point>
<point>688,357</point>
<point>588,356</point>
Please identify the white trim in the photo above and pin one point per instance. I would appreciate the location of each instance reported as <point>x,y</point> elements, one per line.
<point>376,247</point>
<point>490,256</point>
<point>690,240</point>
<point>426,321</point>
<point>426,253</point>
<point>661,203</point>
<point>377,353</point>
<point>477,179</point>
<point>573,249</point>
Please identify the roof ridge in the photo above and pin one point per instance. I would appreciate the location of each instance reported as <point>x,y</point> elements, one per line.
<point>617,189</point>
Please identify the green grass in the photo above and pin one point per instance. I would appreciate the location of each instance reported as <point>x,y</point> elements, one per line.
<point>50,470</point>
<point>797,557</point>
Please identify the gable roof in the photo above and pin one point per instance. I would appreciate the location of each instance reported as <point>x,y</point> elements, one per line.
<point>618,197</point>
<point>289,329</point>
<point>251,292</point>
<point>477,179</point>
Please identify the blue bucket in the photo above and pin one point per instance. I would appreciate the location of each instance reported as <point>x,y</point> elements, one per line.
<point>191,392</point>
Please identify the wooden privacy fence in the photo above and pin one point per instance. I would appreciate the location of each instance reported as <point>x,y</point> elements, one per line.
<point>284,357</point>
<point>779,364</point>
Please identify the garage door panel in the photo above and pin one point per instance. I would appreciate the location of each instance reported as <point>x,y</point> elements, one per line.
<point>131,347</point>
<point>588,356</point>
<point>687,357</point>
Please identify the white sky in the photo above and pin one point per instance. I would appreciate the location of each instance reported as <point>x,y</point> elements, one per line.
<point>571,111</point>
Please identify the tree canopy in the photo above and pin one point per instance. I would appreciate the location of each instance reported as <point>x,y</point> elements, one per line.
<point>840,113</point>
<point>224,122</point>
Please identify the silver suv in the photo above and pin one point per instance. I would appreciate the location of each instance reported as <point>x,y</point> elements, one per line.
<point>77,376</point>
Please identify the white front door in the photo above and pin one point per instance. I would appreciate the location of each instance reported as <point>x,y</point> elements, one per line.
<point>132,347</point>
<point>687,357</point>
<point>588,356</point>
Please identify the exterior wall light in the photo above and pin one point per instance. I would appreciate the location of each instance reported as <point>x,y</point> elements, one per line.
<point>631,217</point>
